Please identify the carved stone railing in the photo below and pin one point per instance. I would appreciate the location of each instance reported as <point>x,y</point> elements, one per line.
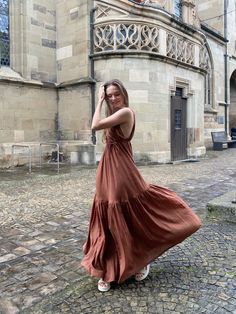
<point>136,37</point>
<point>127,37</point>
<point>115,30</point>
<point>133,37</point>
<point>179,48</point>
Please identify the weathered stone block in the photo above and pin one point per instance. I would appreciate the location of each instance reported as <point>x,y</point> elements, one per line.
<point>49,43</point>
<point>223,207</point>
<point>40,8</point>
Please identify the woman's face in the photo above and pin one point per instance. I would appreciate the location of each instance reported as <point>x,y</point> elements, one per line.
<point>114,97</point>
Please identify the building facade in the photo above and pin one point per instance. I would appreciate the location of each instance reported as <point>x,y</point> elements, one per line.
<point>218,24</point>
<point>55,54</point>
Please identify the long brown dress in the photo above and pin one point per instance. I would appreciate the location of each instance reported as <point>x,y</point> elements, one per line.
<point>132,222</point>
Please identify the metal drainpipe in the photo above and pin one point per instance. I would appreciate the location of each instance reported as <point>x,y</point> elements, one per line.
<point>57,122</point>
<point>226,66</point>
<point>93,136</point>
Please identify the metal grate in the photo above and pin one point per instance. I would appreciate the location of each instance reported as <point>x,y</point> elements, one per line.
<point>4,33</point>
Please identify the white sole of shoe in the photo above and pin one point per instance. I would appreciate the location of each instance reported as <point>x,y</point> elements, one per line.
<point>103,286</point>
<point>144,275</point>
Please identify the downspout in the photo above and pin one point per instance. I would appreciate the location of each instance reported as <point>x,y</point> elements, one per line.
<point>226,65</point>
<point>93,86</point>
<point>57,122</point>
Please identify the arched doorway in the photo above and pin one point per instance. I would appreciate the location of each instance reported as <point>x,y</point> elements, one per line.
<point>232,107</point>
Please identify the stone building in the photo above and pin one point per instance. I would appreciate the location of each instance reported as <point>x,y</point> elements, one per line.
<point>55,53</point>
<point>218,19</point>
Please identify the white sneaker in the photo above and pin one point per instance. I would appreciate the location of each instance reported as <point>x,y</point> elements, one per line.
<point>103,286</point>
<point>143,273</point>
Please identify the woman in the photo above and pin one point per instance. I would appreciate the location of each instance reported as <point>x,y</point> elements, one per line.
<point>132,222</point>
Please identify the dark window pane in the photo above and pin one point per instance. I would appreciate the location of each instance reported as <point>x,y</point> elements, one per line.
<point>177,119</point>
<point>179,91</point>
<point>4,33</point>
<point>178,8</point>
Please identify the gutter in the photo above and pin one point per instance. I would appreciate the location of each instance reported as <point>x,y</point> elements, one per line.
<point>212,32</point>
<point>92,75</point>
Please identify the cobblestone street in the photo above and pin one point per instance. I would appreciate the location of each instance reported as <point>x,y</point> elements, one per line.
<point>44,219</point>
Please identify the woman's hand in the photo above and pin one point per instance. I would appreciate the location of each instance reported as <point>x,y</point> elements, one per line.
<point>101,94</point>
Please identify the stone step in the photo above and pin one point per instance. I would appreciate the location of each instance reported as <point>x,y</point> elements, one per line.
<point>223,207</point>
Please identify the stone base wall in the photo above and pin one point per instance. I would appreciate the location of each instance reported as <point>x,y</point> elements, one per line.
<point>75,114</point>
<point>71,152</point>
<point>32,113</point>
<point>150,84</point>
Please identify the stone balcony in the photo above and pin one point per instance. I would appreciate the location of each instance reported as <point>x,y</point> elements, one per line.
<point>152,31</point>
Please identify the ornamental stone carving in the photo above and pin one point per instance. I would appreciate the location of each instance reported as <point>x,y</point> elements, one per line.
<point>180,49</point>
<point>105,11</point>
<point>128,37</point>
<point>204,59</point>
<point>117,30</point>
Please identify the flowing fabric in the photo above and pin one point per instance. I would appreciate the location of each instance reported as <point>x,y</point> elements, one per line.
<point>132,222</point>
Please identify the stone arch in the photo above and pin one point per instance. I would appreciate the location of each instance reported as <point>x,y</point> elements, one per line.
<point>206,63</point>
<point>232,106</point>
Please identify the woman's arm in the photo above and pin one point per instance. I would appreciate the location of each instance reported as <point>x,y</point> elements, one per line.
<point>121,116</point>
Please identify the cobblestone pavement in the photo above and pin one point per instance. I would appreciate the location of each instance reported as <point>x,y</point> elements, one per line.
<point>44,219</point>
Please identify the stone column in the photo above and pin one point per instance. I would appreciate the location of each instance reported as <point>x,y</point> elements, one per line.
<point>188,11</point>
<point>196,58</point>
<point>162,36</point>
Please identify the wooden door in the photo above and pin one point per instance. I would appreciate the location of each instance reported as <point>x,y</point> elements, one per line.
<point>178,128</point>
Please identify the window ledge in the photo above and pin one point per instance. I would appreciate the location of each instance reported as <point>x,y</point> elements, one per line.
<point>209,109</point>
<point>9,75</point>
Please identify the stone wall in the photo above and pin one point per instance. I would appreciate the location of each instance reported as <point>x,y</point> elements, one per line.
<point>212,13</point>
<point>28,113</point>
<point>73,39</point>
<point>33,39</point>
<point>149,84</point>
<point>74,105</point>
<point>46,93</point>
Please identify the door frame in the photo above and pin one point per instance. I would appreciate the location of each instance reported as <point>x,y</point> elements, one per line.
<point>179,82</point>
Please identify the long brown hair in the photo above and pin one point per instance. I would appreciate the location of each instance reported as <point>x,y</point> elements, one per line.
<point>122,89</point>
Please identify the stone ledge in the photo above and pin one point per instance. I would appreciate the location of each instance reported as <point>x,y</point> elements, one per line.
<point>222,207</point>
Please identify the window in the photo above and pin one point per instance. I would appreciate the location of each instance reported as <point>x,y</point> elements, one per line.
<point>208,89</point>
<point>179,91</point>
<point>178,8</point>
<point>178,118</point>
<point>4,33</point>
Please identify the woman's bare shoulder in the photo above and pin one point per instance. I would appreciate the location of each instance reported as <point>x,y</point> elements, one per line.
<point>126,110</point>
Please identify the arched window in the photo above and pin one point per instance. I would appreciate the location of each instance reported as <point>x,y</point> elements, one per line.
<point>178,8</point>
<point>4,33</point>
